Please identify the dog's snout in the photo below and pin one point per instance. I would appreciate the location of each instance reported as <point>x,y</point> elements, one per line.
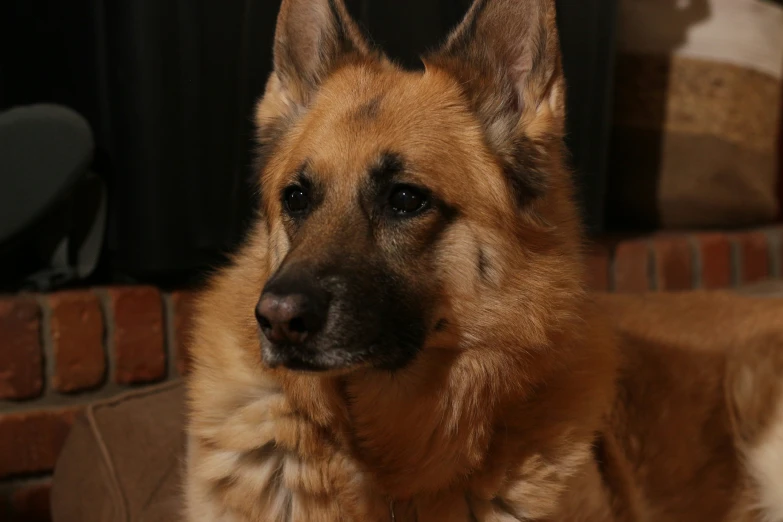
<point>290,313</point>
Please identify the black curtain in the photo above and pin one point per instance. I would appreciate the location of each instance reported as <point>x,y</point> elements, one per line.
<point>169,88</point>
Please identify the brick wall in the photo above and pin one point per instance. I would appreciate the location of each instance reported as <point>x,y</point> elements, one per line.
<point>683,261</point>
<point>60,352</point>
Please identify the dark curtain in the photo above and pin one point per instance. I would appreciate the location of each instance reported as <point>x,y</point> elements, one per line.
<point>169,88</point>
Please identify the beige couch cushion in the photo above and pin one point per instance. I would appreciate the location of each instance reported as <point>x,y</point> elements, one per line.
<point>122,460</point>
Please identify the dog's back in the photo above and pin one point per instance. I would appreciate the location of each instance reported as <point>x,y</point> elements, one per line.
<point>697,422</point>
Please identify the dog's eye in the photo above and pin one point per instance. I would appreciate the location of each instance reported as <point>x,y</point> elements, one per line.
<point>296,200</point>
<point>406,200</point>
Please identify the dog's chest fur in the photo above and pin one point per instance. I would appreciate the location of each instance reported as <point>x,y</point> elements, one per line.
<point>296,470</point>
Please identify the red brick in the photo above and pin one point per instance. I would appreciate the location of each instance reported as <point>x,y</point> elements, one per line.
<point>30,503</point>
<point>632,266</point>
<point>76,327</point>
<point>754,256</point>
<point>673,262</point>
<point>597,261</point>
<point>21,360</point>
<point>31,441</point>
<point>183,309</point>
<point>139,353</point>
<point>715,253</point>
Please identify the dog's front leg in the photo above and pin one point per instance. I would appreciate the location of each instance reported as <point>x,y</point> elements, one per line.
<point>565,488</point>
<point>264,462</point>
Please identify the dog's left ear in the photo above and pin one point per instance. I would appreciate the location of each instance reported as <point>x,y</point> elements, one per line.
<point>506,57</point>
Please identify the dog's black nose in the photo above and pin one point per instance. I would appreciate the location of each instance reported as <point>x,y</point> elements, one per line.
<point>290,312</point>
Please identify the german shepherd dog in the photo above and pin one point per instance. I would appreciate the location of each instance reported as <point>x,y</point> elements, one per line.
<point>406,334</point>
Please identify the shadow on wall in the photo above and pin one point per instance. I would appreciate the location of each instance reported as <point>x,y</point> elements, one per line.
<point>698,88</point>
<point>642,79</point>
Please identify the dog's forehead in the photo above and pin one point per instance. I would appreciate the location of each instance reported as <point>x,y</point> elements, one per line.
<point>361,115</point>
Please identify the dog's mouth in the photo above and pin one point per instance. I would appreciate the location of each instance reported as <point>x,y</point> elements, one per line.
<point>306,358</point>
<point>318,355</point>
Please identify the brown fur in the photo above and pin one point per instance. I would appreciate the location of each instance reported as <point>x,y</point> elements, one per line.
<point>524,402</point>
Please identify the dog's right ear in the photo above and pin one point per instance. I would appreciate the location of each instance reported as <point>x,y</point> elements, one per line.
<point>312,38</point>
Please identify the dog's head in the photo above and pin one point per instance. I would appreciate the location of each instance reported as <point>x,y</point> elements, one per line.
<point>411,210</point>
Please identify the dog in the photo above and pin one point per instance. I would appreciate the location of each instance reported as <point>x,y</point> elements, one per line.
<point>406,333</point>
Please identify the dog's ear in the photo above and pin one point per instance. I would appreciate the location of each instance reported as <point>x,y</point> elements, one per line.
<point>506,56</point>
<point>312,38</point>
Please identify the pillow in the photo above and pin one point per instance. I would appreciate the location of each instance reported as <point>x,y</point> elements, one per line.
<point>696,116</point>
<point>123,459</point>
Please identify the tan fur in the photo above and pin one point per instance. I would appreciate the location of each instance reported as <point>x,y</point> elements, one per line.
<point>538,401</point>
